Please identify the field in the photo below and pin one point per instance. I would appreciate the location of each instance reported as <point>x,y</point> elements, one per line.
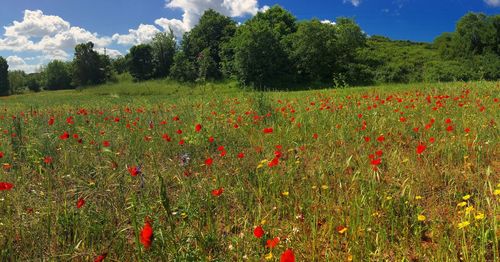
<point>164,172</point>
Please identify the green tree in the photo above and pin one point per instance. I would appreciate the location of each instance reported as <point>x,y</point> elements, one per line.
<point>183,68</point>
<point>121,64</point>
<point>89,68</point>
<point>4,77</point>
<point>164,46</point>
<point>212,31</point>
<point>34,82</point>
<point>57,75</point>
<point>141,62</point>
<point>17,80</point>
<point>475,35</point>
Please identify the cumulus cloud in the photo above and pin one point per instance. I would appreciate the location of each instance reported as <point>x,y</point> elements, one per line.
<point>18,63</point>
<point>326,21</point>
<point>495,3</point>
<point>143,34</point>
<point>47,34</point>
<point>355,3</point>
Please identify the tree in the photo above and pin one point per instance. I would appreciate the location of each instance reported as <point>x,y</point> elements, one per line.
<point>212,31</point>
<point>34,82</point>
<point>17,80</point>
<point>4,77</point>
<point>163,48</point>
<point>261,49</point>
<point>57,75</point>
<point>475,35</point>
<point>183,69</point>
<point>121,64</point>
<point>141,62</point>
<point>314,51</point>
<point>89,68</point>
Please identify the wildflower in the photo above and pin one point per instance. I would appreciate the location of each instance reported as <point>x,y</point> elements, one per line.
<point>100,258</point>
<point>269,256</point>
<point>341,229</point>
<point>496,192</point>
<point>241,155</point>
<point>421,218</point>
<point>134,170</point>
<point>64,136</point>
<point>274,162</point>
<point>285,193</point>
<point>258,232</point>
<point>463,224</point>
<point>47,160</point>
<point>197,128</point>
<point>421,148</point>
<point>271,243</point>
<point>209,161</point>
<point>466,197</point>
<point>381,138</point>
<point>80,203</point>
<point>6,186</point>
<point>217,192</point>
<point>461,204</point>
<point>479,216</point>
<point>268,130</point>
<point>106,143</point>
<point>418,197</point>
<point>287,256</point>
<point>146,236</point>
<point>1,154</point>
<point>51,121</point>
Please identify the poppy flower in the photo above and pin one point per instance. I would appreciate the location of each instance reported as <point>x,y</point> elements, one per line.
<point>47,160</point>
<point>106,143</point>
<point>6,186</point>
<point>268,130</point>
<point>211,139</point>
<point>274,162</point>
<point>197,128</point>
<point>315,136</point>
<point>421,148</point>
<point>134,170</point>
<point>166,137</point>
<point>381,138</point>
<point>271,243</point>
<point>64,136</point>
<point>51,121</point>
<point>341,229</point>
<point>100,258</point>
<point>80,203</point>
<point>287,256</point>
<point>258,232</point>
<point>217,192</point>
<point>241,155</point>
<point>1,154</point>
<point>209,161</point>
<point>146,236</point>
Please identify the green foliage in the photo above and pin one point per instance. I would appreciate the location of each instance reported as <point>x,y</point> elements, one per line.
<point>58,75</point>
<point>120,64</point>
<point>90,68</point>
<point>141,62</point>
<point>475,35</point>
<point>4,77</point>
<point>34,82</point>
<point>17,80</point>
<point>212,31</point>
<point>183,69</point>
<point>163,51</point>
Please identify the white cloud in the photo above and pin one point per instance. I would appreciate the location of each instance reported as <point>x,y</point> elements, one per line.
<point>36,24</point>
<point>18,63</point>
<point>326,21</point>
<point>113,53</point>
<point>143,34</point>
<point>355,3</point>
<point>495,3</point>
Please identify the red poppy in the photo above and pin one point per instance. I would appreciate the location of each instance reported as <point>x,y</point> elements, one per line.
<point>134,171</point>
<point>432,140</point>
<point>106,143</point>
<point>64,136</point>
<point>1,154</point>
<point>376,161</point>
<point>47,160</point>
<point>209,161</point>
<point>179,131</point>
<point>211,139</point>
<point>51,121</point>
<point>449,128</point>
<point>268,130</point>
<point>271,243</point>
<point>381,138</point>
<point>421,148</point>
<point>100,258</point>
<point>217,192</point>
<point>367,139</point>
<point>166,137</point>
<point>146,236</point>
<point>6,186</point>
<point>467,130</point>
<point>258,232</point>
<point>315,136</point>
<point>274,162</point>
<point>197,128</point>
<point>287,256</point>
<point>241,155</point>
<point>80,202</point>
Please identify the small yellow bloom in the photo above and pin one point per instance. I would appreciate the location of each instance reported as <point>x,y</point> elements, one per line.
<point>324,187</point>
<point>183,215</point>
<point>286,193</point>
<point>466,197</point>
<point>314,187</point>
<point>263,222</point>
<point>269,256</point>
<point>461,204</point>
<point>343,230</point>
<point>418,197</point>
<point>469,209</point>
<point>388,197</point>
<point>260,166</point>
<point>463,224</point>
<point>496,192</point>
<point>479,216</point>
<point>421,218</point>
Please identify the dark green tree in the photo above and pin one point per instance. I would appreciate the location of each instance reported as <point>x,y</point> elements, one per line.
<point>475,35</point>
<point>17,80</point>
<point>212,31</point>
<point>141,62</point>
<point>57,75</point>
<point>89,68</point>
<point>183,68</point>
<point>34,82</point>
<point>164,46</point>
<point>4,77</point>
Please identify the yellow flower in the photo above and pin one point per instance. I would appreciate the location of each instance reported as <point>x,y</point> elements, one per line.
<point>263,222</point>
<point>421,218</point>
<point>285,193</point>
<point>466,197</point>
<point>479,216</point>
<point>418,197</point>
<point>496,192</point>
<point>314,187</point>
<point>469,209</point>
<point>463,224</point>
<point>324,187</point>
<point>461,204</point>
<point>269,256</point>
<point>388,197</point>
<point>260,166</point>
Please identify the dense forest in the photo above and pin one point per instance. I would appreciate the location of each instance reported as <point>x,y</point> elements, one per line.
<point>273,50</point>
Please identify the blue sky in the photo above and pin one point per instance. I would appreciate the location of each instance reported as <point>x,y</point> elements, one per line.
<point>49,29</point>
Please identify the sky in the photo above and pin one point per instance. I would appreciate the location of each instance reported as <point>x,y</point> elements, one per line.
<point>34,32</point>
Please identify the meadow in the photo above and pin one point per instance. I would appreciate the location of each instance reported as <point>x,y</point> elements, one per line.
<point>159,171</point>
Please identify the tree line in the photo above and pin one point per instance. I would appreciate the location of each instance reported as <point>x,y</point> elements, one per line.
<point>273,50</point>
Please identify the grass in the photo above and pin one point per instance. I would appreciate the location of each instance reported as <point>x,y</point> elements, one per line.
<point>333,174</point>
